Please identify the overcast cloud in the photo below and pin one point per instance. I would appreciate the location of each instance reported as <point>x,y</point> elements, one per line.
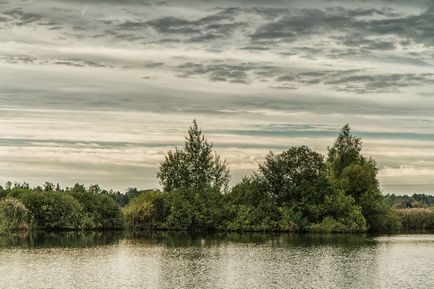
<point>98,91</point>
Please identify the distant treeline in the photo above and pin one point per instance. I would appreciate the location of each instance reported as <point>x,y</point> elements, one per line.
<point>409,202</point>
<point>298,190</point>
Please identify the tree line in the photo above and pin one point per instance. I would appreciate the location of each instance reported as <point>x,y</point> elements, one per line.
<point>297,190</point>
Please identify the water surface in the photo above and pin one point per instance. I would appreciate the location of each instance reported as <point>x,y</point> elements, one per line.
<point>168,260</point>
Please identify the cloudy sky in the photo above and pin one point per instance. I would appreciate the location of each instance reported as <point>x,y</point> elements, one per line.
<point>97,91</point>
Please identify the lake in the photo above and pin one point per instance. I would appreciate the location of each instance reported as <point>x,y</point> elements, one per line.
<point>176,260</point>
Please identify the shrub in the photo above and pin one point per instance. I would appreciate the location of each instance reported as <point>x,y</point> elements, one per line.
<point>291,221</point>
<point>146,211</point>
<point>101,211</point>
<point>13,215</point>
<point>52,210</point>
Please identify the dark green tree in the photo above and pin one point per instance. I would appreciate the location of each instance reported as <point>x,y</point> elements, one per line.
<point>195,166</point>
<point>297,178</point>
<point>357,177</point>
<point>250,208</point>
<point>344,152</point>
<point>99,210</point>
<point>194,179</point>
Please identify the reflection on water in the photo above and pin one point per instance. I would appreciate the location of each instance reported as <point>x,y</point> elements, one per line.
<point>179,260</point>
<point>60,239</point>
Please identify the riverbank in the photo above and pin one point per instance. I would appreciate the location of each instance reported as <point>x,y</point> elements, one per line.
<point>27,210</point>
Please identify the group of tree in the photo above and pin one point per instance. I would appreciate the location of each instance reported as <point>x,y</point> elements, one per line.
<point>295,190</point>
<point>49,208</point>
<point>409,201</point>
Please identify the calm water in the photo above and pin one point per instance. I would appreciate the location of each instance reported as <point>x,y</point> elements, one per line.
<point>125,260</point>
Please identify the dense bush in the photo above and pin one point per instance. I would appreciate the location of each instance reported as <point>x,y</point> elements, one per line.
<point>14,215</point>
<point>52,210</point>
<point>248,208</point>
<point>195,210</point>
<point>101,211</point>
<point>146,211</point>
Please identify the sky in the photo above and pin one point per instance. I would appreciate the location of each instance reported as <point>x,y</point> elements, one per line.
<point>98,91</point>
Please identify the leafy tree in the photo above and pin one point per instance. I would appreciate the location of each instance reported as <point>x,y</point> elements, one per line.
<point>122,199</point>
<point>184,212</point>
<point>297,178</point>
<point>48,187</point>
<point>344,152</point>
<point>195,166</point>
<point>94,189</point>
<point>194,178</point>
<point>357,177</point>
<point>8,185</point>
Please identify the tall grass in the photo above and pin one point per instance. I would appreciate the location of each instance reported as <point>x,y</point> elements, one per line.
<point>416,218</point>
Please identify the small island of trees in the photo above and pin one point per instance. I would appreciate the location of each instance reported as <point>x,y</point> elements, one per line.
<point>297,190</point>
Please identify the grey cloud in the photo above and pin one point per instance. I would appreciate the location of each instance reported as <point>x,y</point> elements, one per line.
<point>14,59</point>
<point>354,80</point>
<point>211,27</point>
<point>20,17</point>
<point>358,81</point>
<point>308,22</point>
<point>231,72</point>
<point>362,42</point>
<point>151,64</point>
<point>418,27</point>
<point>380,83</point>
<point>79,62</point>
<point>356,32</point>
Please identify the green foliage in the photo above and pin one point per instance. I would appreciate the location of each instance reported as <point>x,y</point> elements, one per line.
<point>195,210</point>
<point>194,178</point>
<point>292,220</point>
<point>344,152</point>
<point>379,217</point>
<point>195,166</point>
<point>183,211</point>
<point>14,216</point>
<point>101,211</point>
<point>248,208</point>
<point>357,177</point>
<point>297,178</point>
<point>342,209</point>
<point>147,211</point>
<point>416,218</point>
<point>413,201</point>
<point>52,210</point>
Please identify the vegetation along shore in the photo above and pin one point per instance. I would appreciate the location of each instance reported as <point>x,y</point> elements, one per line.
<point>298,190</point>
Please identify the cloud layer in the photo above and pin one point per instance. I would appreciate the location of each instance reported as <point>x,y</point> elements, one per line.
<point>98,91</point>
